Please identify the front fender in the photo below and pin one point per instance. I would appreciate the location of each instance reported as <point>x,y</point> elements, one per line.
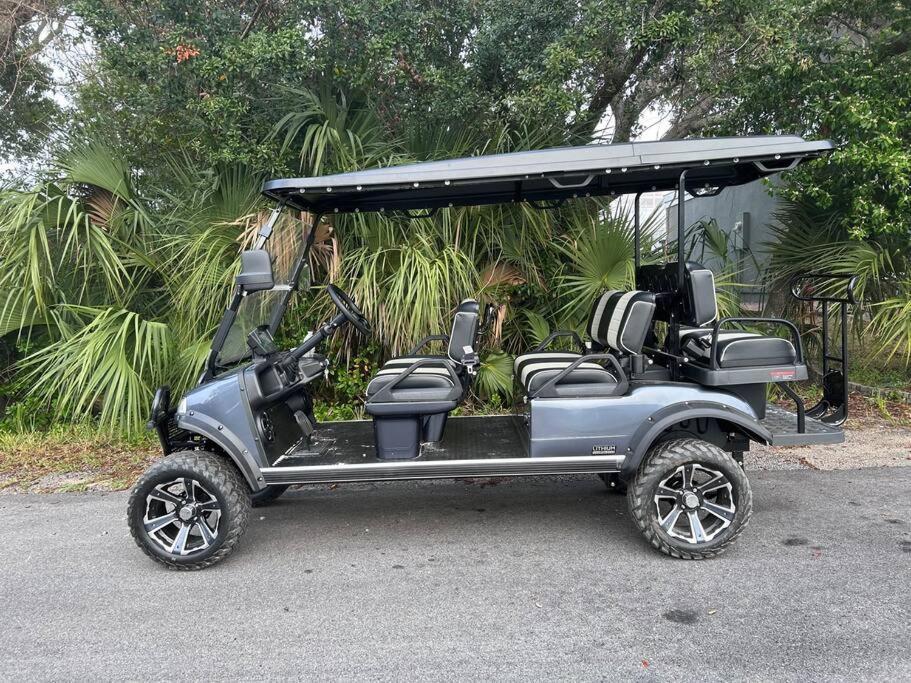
<point>661,420</point>
<point>228,441</point>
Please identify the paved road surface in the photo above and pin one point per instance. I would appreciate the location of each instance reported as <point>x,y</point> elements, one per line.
<point>449,580</point>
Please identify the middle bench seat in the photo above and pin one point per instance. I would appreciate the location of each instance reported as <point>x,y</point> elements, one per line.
<point>618,322</point>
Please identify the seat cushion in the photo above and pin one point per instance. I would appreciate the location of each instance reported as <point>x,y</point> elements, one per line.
<point>737,349</point>
<point>534,370</point>
<point>433,375</point>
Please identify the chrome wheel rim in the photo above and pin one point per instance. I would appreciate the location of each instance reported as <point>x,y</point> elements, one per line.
<point>695,503</point>
<point>182,517</point>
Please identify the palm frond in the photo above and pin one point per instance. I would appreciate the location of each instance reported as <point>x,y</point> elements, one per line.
<point>106,366</point>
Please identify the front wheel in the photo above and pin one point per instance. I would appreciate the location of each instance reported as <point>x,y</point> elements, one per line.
<point>189,510</point>
<point>690,499</point>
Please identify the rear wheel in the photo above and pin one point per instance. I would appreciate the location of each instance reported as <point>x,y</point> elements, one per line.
<point>690,499</point>
<point>189,510</point>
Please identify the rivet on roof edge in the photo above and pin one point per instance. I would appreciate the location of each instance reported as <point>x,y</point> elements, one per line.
<point>360,187</point>
<point>736,160</point>
<point>657,166</point>
<point>607,170</point>
<point>778,156</point>
<point>417,184</point>
<point>706,162</point>
<point>623,169</point>
<point>328,189</point>
<point>447,182</point>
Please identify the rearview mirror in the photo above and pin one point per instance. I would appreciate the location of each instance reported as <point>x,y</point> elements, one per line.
<point>255,271</point>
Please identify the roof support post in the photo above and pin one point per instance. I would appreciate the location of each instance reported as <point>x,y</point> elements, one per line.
<point>294,280</point>
<point>265,230</point>
<point>681,220</point>
<point>674,321</point>
<point>636,238</point>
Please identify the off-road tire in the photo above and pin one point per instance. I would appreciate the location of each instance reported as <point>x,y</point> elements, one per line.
<point>658,463</point>
<point>221,478</point>
<point>613,482</point>
<point>268,495</point>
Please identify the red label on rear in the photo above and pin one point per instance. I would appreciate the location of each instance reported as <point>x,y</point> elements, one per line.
<point>779,375</point>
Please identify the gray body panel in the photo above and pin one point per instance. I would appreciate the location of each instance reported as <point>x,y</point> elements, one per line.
<point>218,410</point>
<point>580,426</point>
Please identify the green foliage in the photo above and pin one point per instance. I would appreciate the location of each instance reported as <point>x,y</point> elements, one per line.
<point>125,247</point>
<point>495,376</point>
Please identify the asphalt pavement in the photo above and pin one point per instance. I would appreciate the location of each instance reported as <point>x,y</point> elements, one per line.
<point>454,580</point>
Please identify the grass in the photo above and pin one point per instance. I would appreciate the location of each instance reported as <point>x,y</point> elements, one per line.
<point>72,458</point>
<point>872,370</point>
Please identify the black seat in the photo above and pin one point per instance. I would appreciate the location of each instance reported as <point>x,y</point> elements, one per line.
<point>698,311</point>
<point>435,373</point>
<point>618,323</point>
<point>737,349</point>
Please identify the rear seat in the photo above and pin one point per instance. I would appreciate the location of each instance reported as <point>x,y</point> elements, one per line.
<point>699,311</point>
<point>618,323</point>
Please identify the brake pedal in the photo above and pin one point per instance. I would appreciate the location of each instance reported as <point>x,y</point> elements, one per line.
<point>304,423</point>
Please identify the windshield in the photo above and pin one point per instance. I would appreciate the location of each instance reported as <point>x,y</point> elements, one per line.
<point>256,309</point>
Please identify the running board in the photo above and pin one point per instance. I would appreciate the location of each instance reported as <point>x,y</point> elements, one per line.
<point>396,470</point>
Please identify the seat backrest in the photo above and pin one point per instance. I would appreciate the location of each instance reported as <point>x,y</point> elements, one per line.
<point>697,305</point>
<point>464,329</point>
<point>621,320</point>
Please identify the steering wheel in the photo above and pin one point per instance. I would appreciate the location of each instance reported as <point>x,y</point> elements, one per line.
<point>349,309</point>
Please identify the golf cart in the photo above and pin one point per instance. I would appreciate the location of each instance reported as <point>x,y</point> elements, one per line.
<point>662,396</point>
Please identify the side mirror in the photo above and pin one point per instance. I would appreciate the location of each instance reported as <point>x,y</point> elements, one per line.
<point>255,271</point>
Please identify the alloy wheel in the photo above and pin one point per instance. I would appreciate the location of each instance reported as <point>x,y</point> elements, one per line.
<point>182,517</point>
<point>695,503</point>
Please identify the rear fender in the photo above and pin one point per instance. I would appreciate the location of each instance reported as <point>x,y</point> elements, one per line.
<point>662,420</point>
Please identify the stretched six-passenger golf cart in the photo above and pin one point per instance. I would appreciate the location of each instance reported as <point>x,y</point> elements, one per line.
<point>662,396</point>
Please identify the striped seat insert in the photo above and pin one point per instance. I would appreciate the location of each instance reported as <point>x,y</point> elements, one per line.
<point>534,369</point>
<point>431,375</point>
<point>621,320</point>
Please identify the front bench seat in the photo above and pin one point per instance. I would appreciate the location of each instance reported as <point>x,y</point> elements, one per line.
<point>619,321</point>
<point>435,374</point>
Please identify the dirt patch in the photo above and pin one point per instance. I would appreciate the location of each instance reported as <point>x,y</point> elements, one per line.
<point>882,447</point>
<point>44,464</point>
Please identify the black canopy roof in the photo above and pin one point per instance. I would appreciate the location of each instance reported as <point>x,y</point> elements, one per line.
<point>550,175</point>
